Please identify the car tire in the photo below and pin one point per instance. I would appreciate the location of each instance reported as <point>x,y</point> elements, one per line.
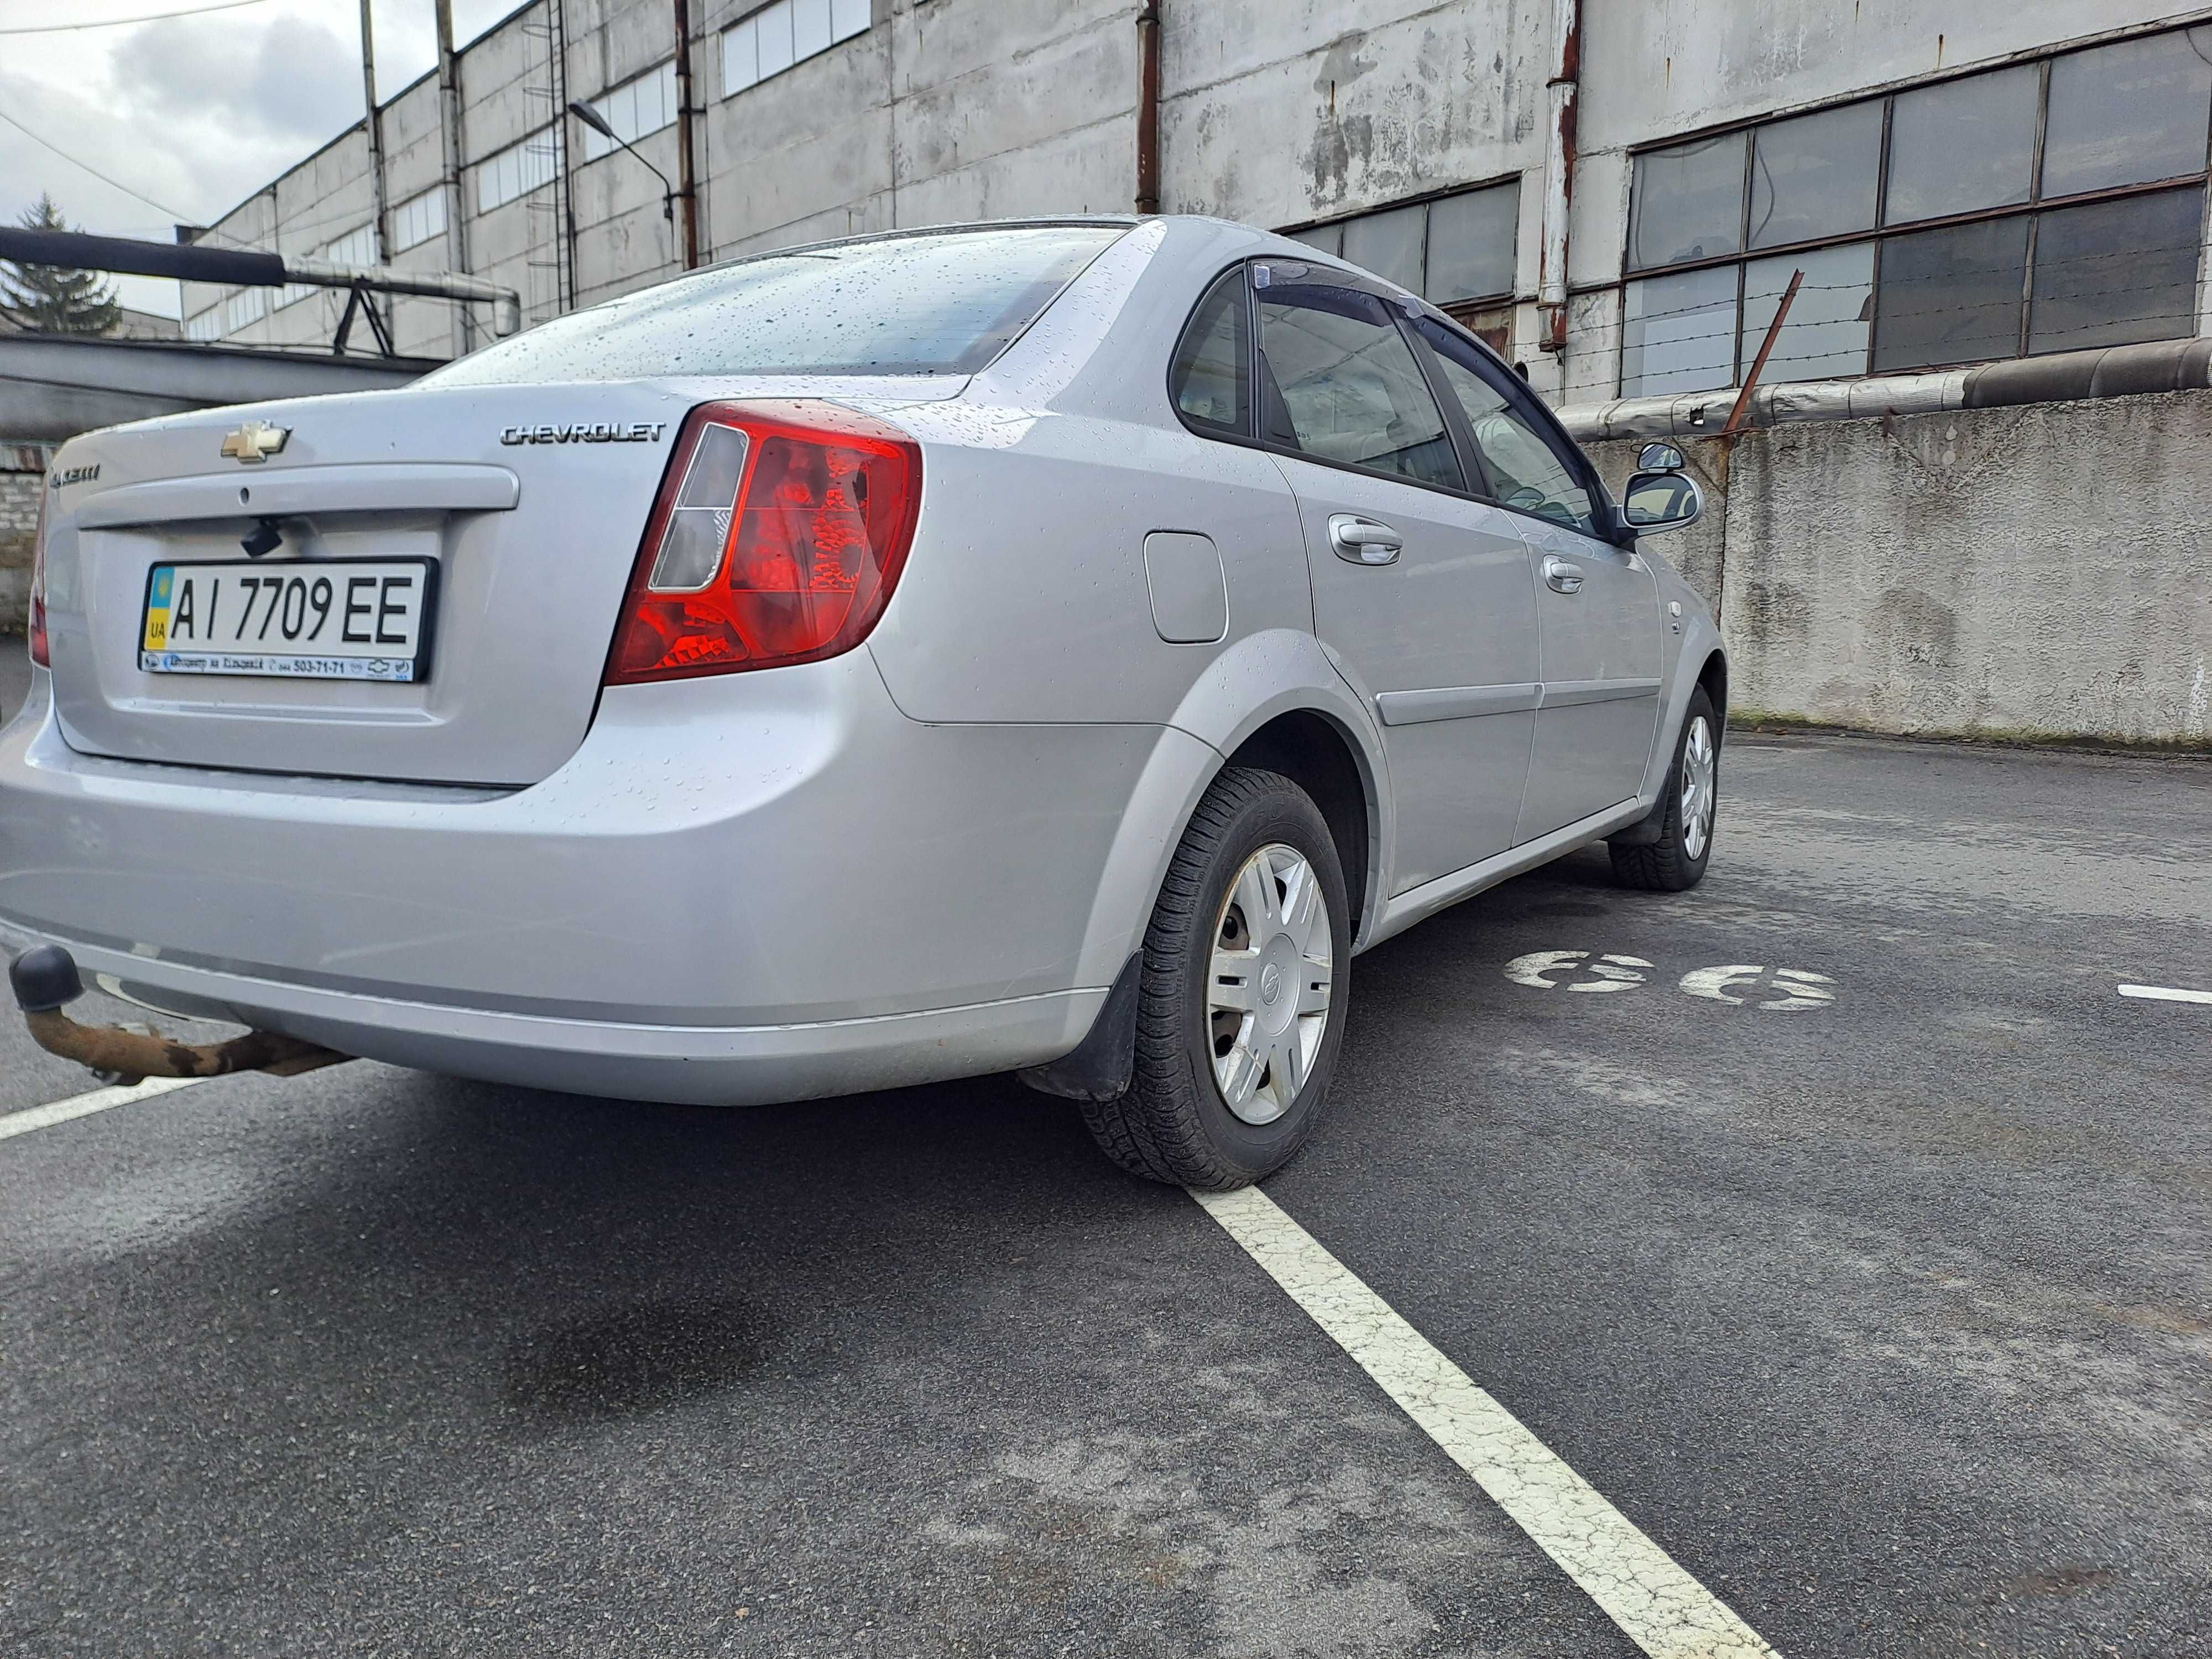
<point>1675,860</point>
<point>1225,1014</point>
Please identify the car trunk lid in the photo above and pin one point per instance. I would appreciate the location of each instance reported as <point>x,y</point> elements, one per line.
<point>522,505</point>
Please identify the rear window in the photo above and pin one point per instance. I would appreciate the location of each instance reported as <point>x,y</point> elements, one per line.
<point>943,304</point>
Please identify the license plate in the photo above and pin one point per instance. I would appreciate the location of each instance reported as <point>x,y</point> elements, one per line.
<point>326,619</point>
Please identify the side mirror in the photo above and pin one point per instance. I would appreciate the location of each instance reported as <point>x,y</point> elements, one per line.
<point>1660,457</point>
<point>1660,501</point>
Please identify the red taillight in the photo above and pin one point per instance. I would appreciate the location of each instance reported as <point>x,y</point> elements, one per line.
<point>779,534</point>
<point>39,653</point>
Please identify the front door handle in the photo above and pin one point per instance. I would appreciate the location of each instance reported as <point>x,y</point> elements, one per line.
<point>1363,541</point>
<point>1562,575</point>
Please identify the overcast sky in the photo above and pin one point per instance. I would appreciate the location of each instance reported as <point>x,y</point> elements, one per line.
<point>195,113</point>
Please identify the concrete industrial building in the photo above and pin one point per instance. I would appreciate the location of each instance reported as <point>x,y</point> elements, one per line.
<point>1613,191</point>
<point>1684,156</point>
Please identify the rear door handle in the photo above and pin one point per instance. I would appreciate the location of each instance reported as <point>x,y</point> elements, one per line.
<point>1363,541</point>
<point>1562,576</point>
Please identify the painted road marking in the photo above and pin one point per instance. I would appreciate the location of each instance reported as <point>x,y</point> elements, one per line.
<point>1666,1611</point>
<point>2165,993</point>
<point>1798,987</point>
<point>61,1111</point>
<point>1613,972</point>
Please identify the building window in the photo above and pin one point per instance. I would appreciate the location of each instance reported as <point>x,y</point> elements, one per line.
<point>418,218</point>
<point>773,38</point>
<point>1451,251</point>
<point>633,110</point>
<point>244,308</point>
<point>517,170</point>
<point>357,247</point>
<point>205,325</point>
<point>2040,207</point>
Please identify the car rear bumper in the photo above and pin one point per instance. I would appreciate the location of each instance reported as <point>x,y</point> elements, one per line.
<point>756,887</point>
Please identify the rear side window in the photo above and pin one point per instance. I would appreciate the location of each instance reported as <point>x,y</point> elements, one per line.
<point>1338,381</point>
<point>1526,473</point>
<point>1211,379</point>
<point>943,304</point>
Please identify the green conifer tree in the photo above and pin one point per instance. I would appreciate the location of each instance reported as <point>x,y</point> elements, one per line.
<point>55,299</point>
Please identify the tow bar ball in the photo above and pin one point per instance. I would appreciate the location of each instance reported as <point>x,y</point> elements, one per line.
<point>45,980</point>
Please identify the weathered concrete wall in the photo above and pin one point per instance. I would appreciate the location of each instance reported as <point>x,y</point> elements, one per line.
<point>2041,571</point>
<point>1277,112</point>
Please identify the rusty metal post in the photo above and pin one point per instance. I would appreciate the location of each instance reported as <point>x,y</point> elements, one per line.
<point>1148,107</point>
<point>457,211</point>
<point>1563,87</point>
<point>687,188</point>
<point>373,124</point>
<point>1738,415</point>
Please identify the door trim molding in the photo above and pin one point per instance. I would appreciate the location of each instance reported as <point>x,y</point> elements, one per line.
<point>1455,702</point>
<point>1569,694</point>
<point>1418,903</point>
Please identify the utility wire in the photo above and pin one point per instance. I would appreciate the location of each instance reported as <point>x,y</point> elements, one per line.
<point>177,217</point>
<point>121,22</point>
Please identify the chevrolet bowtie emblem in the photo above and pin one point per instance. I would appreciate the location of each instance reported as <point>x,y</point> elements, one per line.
<point>255,441</point>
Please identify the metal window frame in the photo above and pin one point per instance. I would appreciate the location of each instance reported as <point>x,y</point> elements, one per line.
<point>1425,200</point>
<point>726,92</point>
<point>1881,232</point>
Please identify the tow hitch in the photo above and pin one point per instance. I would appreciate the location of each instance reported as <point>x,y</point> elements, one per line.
<point>45,979</point>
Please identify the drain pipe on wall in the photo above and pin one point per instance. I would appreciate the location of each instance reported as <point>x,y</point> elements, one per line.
<point>687,179</point>
<point>1563,88</point>
<point>1148,107</point>
<point>449,128</point>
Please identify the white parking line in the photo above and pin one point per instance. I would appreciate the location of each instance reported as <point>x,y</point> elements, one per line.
<point>2165,993</point>
<point>61,1111</point>
<point>1664,1611</point>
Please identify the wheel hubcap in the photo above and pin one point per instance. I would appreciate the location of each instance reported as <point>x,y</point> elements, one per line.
<point>1700,776</point>
<point>1267,984</point>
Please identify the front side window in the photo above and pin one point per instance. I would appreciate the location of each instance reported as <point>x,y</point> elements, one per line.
<point>1526,472</point>
<point>1211,379</point>
<point>1340,383</point>
<point>941,304</point>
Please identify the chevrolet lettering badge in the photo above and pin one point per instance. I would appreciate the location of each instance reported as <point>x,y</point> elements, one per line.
<point>255,441</point>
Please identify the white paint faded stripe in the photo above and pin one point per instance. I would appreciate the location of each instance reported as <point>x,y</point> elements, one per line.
<point>61,1111</point>
<point>2165,993</point>
<point>1664,1611</point>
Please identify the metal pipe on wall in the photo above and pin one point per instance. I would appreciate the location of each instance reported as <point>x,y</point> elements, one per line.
<point>449,119</point>
<point>687,187</point>
<point>1563,88</point>
<point>372,121</point>
<point>1148,107</point>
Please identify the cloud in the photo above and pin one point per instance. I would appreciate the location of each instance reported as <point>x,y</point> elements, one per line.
<point>287,83</point>
<point>199,112</point>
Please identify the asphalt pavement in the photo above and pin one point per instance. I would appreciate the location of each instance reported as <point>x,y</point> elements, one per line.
<point>1886,1312</point>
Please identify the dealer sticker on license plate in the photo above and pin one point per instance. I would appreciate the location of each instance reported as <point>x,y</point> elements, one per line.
<point>324,619</point>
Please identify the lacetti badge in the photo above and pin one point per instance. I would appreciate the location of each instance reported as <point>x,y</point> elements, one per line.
<point>74,474</point>
<point>585,432</point>
<point>255,442</point>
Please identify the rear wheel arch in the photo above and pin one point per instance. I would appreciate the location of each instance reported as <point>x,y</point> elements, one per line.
<point>1315,752</point>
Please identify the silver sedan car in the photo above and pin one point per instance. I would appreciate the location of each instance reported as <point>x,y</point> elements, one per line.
<point>1054,646</point>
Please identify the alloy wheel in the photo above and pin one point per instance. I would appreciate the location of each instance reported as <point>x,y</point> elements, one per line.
<point>1267,984</point>
<point>1700,769</point>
